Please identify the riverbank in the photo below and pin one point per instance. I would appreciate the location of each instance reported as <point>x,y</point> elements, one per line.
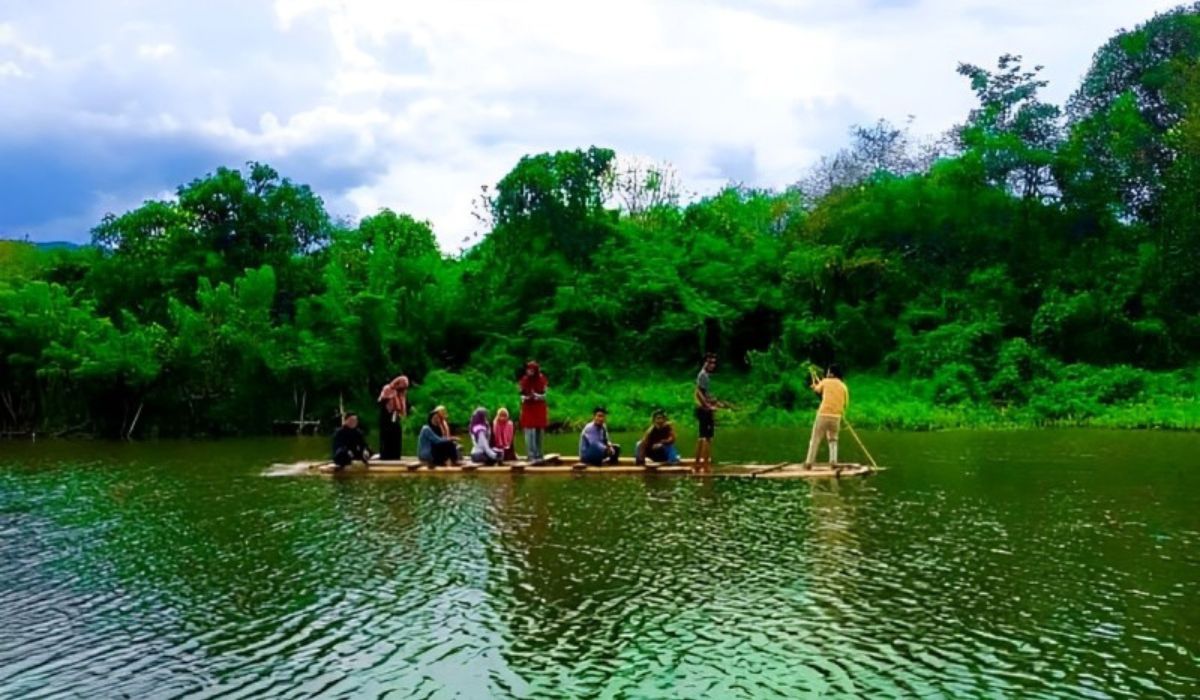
<point>1079,396</point>
<point>1076,396</point>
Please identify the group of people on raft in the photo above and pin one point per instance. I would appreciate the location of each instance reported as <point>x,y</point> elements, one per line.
<point>492,441</point>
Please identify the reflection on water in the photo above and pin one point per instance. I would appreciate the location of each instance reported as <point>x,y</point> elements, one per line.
<point>1060,564</point>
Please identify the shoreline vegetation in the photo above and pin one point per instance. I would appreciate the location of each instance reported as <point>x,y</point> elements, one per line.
<point>1113,398</point>
<point>1035,265</point>
<point>1108,398</point>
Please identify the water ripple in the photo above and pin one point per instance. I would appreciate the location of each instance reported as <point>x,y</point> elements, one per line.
<point>167,579</point>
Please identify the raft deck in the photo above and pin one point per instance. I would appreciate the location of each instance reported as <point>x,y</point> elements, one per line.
<point>558,464</point>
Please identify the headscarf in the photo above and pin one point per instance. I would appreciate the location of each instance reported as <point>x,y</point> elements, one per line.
<point>479,419</point>
<point>502,428</point>
<point>395,393</point>
<point>535,384</point>
<point>438,423</point>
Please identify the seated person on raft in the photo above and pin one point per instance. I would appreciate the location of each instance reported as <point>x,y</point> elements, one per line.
<point>349,443</point>
<point>435,446</point>
<point>502,436</point>
<point>594,446</point>
<point>658,443</point>
<point>482,451</point>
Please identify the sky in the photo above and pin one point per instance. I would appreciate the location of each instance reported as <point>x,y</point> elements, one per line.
<point>416,105</point>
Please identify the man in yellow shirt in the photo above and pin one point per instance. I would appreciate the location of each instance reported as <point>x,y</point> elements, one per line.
<point>835,398</point>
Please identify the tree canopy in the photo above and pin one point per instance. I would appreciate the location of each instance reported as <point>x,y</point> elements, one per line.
<point>1033,240</point>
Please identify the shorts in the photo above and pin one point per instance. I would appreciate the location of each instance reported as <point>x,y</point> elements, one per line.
<point>707,422</point>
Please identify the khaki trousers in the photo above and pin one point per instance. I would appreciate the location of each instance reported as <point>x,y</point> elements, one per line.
<point>824,428</point>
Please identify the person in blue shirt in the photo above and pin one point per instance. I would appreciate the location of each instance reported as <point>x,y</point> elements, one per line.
<point>435,446</point>
<point>595,448</point>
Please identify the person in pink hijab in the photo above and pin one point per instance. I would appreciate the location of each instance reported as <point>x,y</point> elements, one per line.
<point>502,435</point>
<point>393,409</point>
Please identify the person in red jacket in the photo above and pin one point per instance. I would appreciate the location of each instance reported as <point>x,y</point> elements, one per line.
<point>534,416</point>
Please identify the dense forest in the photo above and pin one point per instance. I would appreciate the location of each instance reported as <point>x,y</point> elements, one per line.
<point>1036,264</point>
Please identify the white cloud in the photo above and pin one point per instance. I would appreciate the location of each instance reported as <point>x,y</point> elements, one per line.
<point>155,51</point>
<point>9,69</point>
<point>12,42</point>
<point>420,103</point>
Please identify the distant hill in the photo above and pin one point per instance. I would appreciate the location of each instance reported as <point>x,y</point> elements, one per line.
<point>45,245</point>
<point>50,245</point>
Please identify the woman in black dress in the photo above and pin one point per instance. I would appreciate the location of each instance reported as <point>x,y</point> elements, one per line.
<point>393,408</point>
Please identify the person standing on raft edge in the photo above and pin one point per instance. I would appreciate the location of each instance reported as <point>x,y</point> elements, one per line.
<point>534,416</point>
<point>706,407</point>
<point>835,399</point>
<point>393,409</point>
<point>349,444</point>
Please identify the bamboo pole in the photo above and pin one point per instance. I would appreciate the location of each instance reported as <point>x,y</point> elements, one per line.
<point>860,443</point>
<point>136,416</point>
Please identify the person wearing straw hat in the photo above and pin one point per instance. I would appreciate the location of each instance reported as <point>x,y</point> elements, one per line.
<point>835,399</point>
<point>435,445</point>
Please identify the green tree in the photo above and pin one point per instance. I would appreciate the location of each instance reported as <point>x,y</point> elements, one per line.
<point>1015,133</point>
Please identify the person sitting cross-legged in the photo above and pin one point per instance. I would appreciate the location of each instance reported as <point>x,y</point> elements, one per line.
<point>658,443</point>
<point>482,450</point>
<point>595,448</point>
<point>435,446</point>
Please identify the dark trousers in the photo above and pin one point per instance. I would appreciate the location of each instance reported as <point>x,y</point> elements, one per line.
<point>391,436</point>
<point>443,453</point>
<point>598,458</point>
<point>344,456</point>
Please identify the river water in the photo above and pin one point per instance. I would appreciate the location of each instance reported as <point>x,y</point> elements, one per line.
<point>982,564</point>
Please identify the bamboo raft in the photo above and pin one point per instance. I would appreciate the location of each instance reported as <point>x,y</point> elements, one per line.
<point>558,464</point>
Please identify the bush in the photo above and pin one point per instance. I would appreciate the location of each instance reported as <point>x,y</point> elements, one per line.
<point>969,343</point>
<point>1017,366</point>
<point>955,383</point>
<point>459,393</point>
<point>1112,385</point>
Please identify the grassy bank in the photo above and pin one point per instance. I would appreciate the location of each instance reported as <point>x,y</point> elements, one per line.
<point>1116,397</point>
